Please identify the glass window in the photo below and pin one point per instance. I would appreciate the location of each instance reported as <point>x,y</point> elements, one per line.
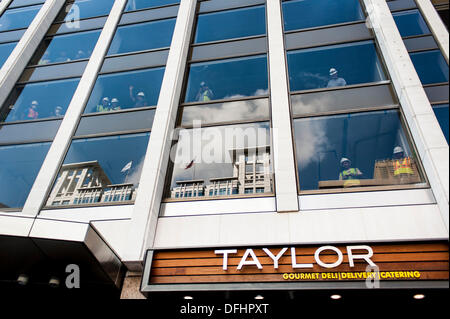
<point>231,24</point>
<point>334,66</point>
<point>126,90</point>
<point>66,48</point>
<point>345,99</point>
<point>354,150</point>
<point>144,4</point>
<point>142,36</point>
<point>112,165</point>
<point>116,122</point>
<point>442,116</point>
<point>5,51</point>
<point>18,18</point>
<point>19,166</point>
<point>410,23</point>
<point>430,66</point>
<point>28,132</point>
<point>39,100</point>
<point>214,158</point>
<point>226,112</point>
<point>301,14</point>
<point>225,79</point>
<point>82,9</point>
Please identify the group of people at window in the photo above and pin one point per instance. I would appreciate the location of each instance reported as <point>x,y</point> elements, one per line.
<point>205,93</point>
<point>402,167</point>
<point>139,99</point>
<point>32,111</point>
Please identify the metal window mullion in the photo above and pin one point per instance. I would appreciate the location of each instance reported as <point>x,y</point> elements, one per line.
<point>146,209</point>
<point>283,147</point>
<point>55,156</point>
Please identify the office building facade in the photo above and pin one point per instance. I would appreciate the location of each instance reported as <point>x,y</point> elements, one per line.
<point>183,147</point>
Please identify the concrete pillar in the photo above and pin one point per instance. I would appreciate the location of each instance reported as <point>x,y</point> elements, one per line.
<point>4,5</point>
<point>283,147</point>
<point>431,144</point>
<point>61,143</point>
<point>13,67</point>
<point>437,27</point>
<point>147,204</point>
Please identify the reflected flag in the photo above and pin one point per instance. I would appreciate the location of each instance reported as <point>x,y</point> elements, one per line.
<point>190,164</point>
<point>127,167</point>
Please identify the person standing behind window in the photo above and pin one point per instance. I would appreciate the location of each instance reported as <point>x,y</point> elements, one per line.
<point>335,80</point>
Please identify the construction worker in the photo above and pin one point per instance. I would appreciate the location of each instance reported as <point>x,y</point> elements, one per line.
<point>104,106</point>
<point>349,175</point>
<point>402,164</point>
<point>204,93</point>
<point>140,100</point>
<point>32,112</point>
<point>115,105</point>
<point>335,80</point>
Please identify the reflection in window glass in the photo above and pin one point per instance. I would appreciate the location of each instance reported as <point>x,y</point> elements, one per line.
<point>39,100</point>
<point>442,116</point>
<point>144,4</point>
<point>19,166</point>
<point>334,66</point>
<point>100,170</point>
<point>301,14</point>
<point>231,24</point>
<point>82,9</point>
<point>127,90</point>
<point>5,51</point>
<point>354,150</point>
<point>66,48</point>
<point>18,18</point>
<point>430,66</point>
<point>216,166</point>
<point>224,79</point>
<point>226,112</point>
<point>410,23</point>
<point>142,36</point>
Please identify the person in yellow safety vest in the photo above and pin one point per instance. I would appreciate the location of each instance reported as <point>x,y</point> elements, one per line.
<point>204,93</point>
<point>104,106</point>
<point>402,164</point>
<point>350,175</point>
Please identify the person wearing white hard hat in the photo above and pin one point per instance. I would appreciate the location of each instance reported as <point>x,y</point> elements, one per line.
<point>335,80</point>
<point>139,100</point>
<point>204,93</point>
<point>31,113</point>
<point>402,165</point>
<point>104,105</point>
<point>350,175</point>
<point>115,104</point>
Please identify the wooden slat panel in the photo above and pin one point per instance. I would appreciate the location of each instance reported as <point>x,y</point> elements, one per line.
<point>422,266</point>
<point>303,250</point>
<point>204,266</point>
<point>429,275</point>
<point>286,260</point>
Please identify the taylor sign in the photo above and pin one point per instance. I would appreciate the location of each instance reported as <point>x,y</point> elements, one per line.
<point>250,259</point>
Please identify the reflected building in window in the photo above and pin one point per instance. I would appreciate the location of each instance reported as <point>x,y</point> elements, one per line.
<point>251,175</point>
<point>87,183</point>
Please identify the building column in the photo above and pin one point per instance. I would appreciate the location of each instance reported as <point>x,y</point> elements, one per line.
<point>13,67</point>
<point>4,5</point>
<point>146,208</point>
<point>431,144</point>
<point>55,156</point>
<point>437,27</point>
<point>283,147</point>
